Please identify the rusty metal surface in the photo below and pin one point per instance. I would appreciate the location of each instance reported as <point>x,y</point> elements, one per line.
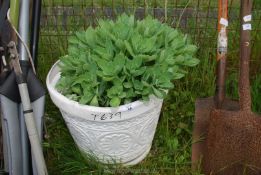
<point>233,144</point>
<point>204,107</point>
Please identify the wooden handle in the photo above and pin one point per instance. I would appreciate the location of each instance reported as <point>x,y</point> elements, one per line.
<point>221,52</point>
<point>245,51</point>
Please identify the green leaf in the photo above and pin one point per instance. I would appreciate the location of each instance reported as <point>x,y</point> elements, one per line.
<point>115,90</point>
<point>159,93</point>
<point>129,48</point>
<point>120,45</point>
<point>94,101</point>
<point>191,62</point>
<point>178,76</point>
<point>145,84</point>
<point>122,95</point>
<point>86,98</point>
<point>136,62</point>
<point>146,91</point>
<point>115,101</point>
<point>77,89</point>
<point>190,49</point>
<point>139,72</point>
<point>102,87</point>
<point>148,58</point>
<point>130,93</point>
<point>171,61</point>
<point>180,59</point>
<point>73,40</point>
<point>172,35</point>
<point>127,85</point>
<point>148,44</point>
<point>138,85</point>
<point>119,62</point>
<point>106,66</point>
<point>139,92</point>
<point>103,53</point>
<point>167,85</point>
<point>108,78</point>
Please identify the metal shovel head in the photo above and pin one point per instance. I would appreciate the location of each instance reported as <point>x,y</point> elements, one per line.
<point>233,143</point>
<point>204,106</point>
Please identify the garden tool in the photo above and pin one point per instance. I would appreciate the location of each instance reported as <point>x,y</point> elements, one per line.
<point>205,105</point>
<point>28,112</point>
<point>234,137</point>
<point>17,160</point>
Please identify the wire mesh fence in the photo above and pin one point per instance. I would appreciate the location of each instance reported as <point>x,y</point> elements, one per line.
<point>197,18</point>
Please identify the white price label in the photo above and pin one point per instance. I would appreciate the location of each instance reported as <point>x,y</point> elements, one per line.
<point>247,27</point>
<point>224,22</point>
<point>247,18</point>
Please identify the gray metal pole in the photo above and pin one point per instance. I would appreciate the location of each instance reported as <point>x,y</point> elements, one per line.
<point>24,31</point>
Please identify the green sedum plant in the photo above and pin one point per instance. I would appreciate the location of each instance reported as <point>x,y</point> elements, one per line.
<point>122,61</point>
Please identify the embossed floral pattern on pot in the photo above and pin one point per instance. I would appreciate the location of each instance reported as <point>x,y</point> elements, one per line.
<point>115,144</point>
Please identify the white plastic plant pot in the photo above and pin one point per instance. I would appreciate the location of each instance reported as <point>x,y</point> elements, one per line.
<point>121,134</point>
